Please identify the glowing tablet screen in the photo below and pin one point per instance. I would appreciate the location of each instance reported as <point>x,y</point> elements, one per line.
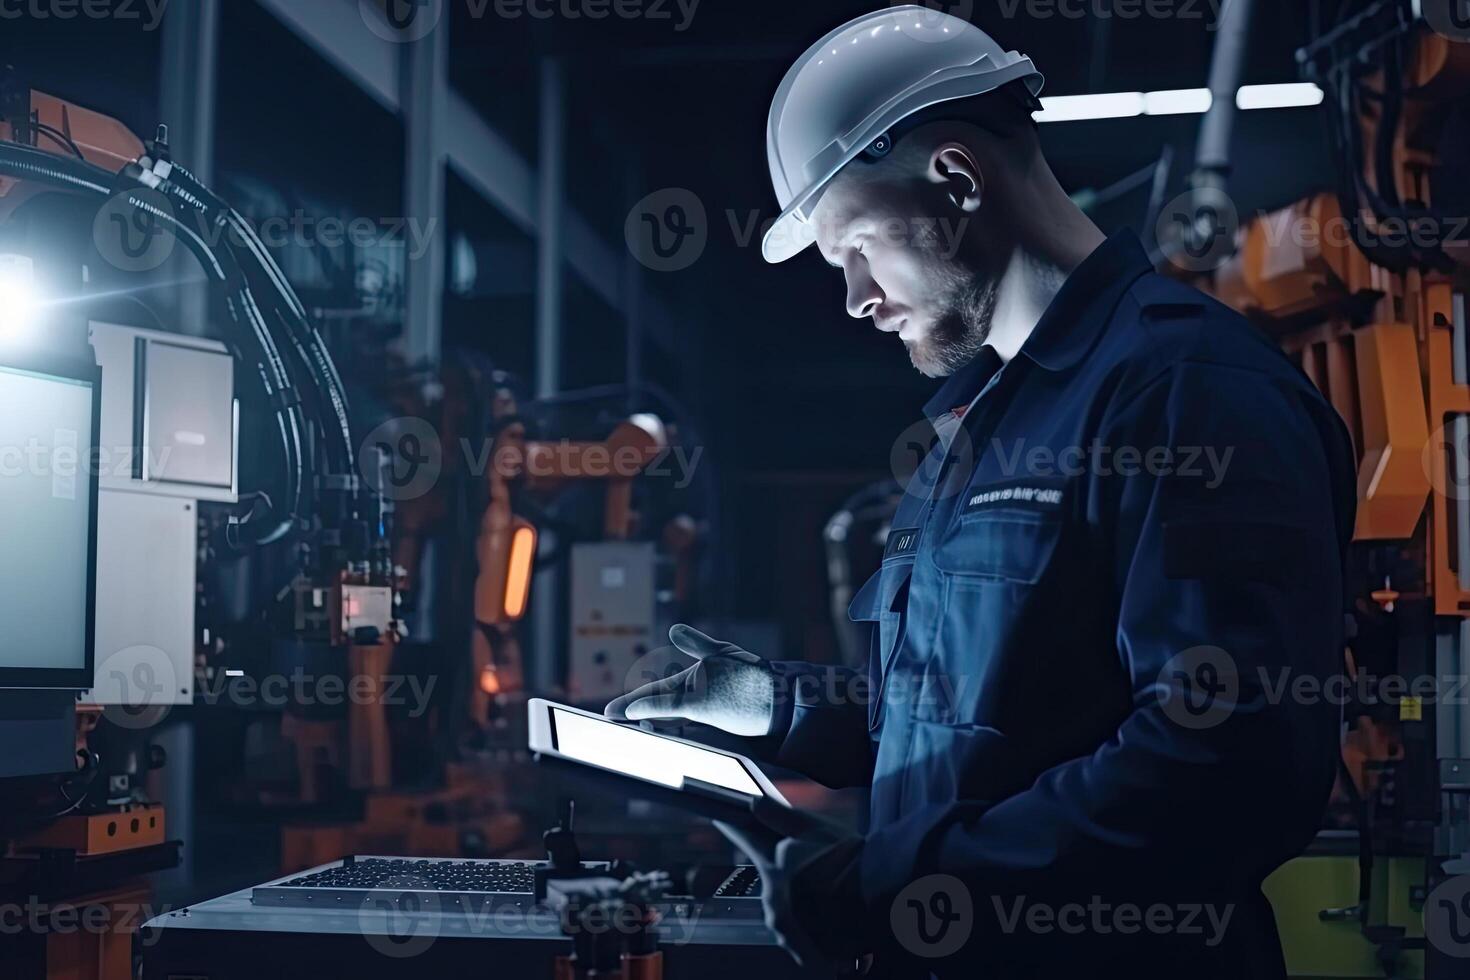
<point>646,756</point>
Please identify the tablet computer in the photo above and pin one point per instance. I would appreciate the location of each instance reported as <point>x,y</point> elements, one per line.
<point>629,760</point>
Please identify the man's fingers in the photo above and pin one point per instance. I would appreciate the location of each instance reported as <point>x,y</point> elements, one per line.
<point>657,707</point>
<point>617,709</point>
<point>698,645</point>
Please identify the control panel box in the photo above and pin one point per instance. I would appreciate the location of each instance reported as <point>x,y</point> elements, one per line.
<point>613,606</point>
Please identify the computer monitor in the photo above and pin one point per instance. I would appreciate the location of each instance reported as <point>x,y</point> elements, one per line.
<point>48,521</point>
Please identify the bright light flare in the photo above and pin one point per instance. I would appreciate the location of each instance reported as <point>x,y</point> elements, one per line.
<point>19,301</point>
<point>1109,105</point>
<point>1291,95</point>
<point>518,575</point>
<point>1173,102</point>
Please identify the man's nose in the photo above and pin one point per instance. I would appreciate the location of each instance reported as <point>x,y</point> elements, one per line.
<point>863,294</point>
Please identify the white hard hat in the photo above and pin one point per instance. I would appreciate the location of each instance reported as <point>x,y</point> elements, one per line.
<point>857,82</point>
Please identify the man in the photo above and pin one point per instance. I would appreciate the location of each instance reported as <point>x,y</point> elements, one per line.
<point>1130,533</point>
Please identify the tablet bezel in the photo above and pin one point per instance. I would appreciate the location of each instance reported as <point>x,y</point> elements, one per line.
<point>714,801</point>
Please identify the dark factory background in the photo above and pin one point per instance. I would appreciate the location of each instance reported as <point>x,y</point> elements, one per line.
<point>518,178</point>
<point>797,404</point>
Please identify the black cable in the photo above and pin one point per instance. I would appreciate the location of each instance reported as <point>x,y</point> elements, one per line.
<point>29,163</point>
<point>58,137</point>
<point>305,338</point>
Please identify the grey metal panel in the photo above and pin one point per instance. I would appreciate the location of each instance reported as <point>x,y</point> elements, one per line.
<point>189,417</point>
<point>146,553</point>
<point>120,437</point>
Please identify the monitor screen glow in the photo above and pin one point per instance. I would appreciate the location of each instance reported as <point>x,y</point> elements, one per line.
<point>45,520</point>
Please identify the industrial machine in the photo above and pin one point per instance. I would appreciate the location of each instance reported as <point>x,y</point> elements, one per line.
<point>261,542</point>
<point>559,917</point>
<point>1364,286</point>
<point>82,201</point>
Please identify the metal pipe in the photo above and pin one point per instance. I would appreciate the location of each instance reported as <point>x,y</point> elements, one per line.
<point>544,672</point>
<point>1227,65</point>
<point>551,197</point>
<point>188,81</point>
<point>425,77</point>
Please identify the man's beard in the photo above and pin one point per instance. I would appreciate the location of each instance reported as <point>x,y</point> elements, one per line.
<point>961,328</point>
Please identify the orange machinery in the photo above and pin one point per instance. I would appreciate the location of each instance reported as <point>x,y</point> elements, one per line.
<point>434,824</point>
<point>1385,343</point>
<point>506,546</point>
<point>1377,342</point>
<point>47,122</point>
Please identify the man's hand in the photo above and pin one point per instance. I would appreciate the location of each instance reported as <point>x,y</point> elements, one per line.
<point>728,688</point>
<point>808,870</point>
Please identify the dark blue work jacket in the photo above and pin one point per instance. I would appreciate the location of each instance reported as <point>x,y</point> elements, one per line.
<point>1126,538</point>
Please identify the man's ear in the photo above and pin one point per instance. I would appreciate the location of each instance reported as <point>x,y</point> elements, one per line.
<point>953,165</point>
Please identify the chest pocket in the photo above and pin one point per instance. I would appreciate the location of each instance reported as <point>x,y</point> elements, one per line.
<point>1003,546</point>
<point>996,624</point>
<point>883,601</point>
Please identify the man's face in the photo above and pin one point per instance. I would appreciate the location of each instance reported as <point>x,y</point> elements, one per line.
<point>909,265</point>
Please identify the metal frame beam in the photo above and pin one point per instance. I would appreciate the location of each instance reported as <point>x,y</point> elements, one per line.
<point>479,154</point>
<point>425,85</point>
<point>188,87</point>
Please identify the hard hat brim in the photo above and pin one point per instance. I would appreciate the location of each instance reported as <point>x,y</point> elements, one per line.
<point>789,235</point>
<point>791,232</point>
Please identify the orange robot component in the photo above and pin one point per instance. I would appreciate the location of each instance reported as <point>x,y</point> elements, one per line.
<point>1374,340</point>
<point>507,543</point>
<point>62,129</point>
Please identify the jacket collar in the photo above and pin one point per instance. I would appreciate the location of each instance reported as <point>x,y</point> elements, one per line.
<point>1082,307</point>
<point>1069,327</point>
